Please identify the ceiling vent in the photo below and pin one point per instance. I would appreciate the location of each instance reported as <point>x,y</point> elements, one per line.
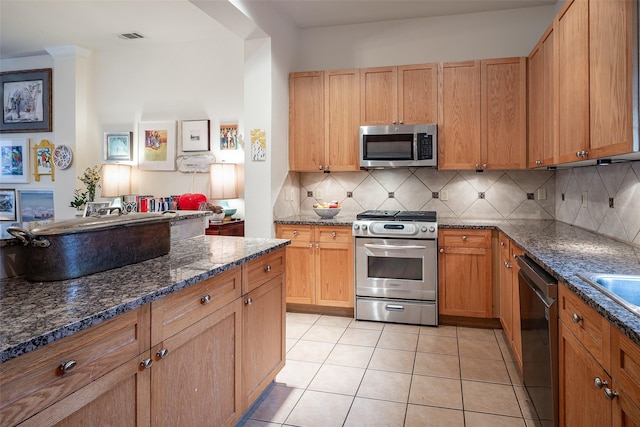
<point>131,36</point>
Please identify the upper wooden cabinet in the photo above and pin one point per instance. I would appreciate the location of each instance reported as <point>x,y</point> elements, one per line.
<point>594,70</point>
<point>324,120</point>
<point>542,102</point>
<point>398,95</point>
<point>482,114</point>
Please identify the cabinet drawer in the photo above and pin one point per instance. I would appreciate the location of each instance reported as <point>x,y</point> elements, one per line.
<point>333,234</point>
<point>36,380</point>
<point>181,309</point>
<point>587,325</point>
<point>263,269</point>
<point>625,364</point>
<point>465,238</point>
<point>294,232</point>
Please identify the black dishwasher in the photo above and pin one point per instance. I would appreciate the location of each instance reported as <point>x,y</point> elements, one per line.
<point>539,327</point>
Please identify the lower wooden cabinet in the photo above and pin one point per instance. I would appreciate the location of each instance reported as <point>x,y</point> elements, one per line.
<point>510,295</point>
<point>320,268</point>
<point>464,273</point>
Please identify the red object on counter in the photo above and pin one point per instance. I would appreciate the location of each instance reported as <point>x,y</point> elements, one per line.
<point>191,201</point>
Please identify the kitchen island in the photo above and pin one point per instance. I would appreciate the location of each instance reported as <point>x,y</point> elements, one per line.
<point>207,312</point>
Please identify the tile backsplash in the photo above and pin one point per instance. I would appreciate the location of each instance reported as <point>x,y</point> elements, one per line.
<point>525,194</point>
<point>605,199</point>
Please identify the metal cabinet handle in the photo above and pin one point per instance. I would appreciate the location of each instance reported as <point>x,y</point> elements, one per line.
<point>205,299</point>
<point>295,232</point>
<point>146,363</point>
<point>578,154</point>
<point>311,245</point>
<point>464,238</point>
<point>320,167</point>
<point>484,166</point>
<point>610,394</point>
<point>576,318</point>
<point>441,250</point>
<point>67,366</point>
<point>267,268</point>
<point>599,383</point>
<point>333,234</point>
<point>507,265</point>
<point>248,301</point>
<point>502,244</point>
<point>162,353</point>
<point>317,245</point>
<point>477,165</point>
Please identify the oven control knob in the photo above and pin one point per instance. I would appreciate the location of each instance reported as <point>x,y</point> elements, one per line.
<point>356,227</point>
<point>423,228</point>
<point>432,229</point>
<point>364,227</point>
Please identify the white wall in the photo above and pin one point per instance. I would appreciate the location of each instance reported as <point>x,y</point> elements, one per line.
<point>449,38</point>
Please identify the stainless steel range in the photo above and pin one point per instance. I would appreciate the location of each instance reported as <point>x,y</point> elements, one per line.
<point>396,271</point>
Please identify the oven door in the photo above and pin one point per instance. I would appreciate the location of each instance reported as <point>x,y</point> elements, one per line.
<point>396,268</point>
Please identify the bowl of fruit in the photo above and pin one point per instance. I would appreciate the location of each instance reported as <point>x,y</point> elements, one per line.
<point>327,210</point>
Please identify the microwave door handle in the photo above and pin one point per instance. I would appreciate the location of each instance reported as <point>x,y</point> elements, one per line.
<point>393,247</point>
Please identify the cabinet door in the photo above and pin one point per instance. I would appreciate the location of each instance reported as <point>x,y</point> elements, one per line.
<point>610,77</point>
<point>572,47</point>
<point>506,288</point>
<point>334,274</point>
<point>549,102</point>
<point>516,339</point>
<point>504,113</point>
<point>263,338</point>
<point>198,381</point>
<point>300,273</point>
<point>581,404</point>
<point>459,115</point>
<point>465,278</point>
<point>625,369</point>
<point>306,121</point>
<point>342,120</point>
<point>378,96</point>
<point>418,94</point>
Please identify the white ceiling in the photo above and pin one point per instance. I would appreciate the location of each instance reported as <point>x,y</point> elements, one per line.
<point>27,27</point>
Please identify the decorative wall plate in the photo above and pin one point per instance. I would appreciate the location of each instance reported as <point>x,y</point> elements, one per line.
<point>62,156</point>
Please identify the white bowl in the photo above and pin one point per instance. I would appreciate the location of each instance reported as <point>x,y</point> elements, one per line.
<point>327,212</point>
<point>216,216</point>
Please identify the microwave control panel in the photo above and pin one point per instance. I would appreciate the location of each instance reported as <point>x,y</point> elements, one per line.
<point>425,146</point>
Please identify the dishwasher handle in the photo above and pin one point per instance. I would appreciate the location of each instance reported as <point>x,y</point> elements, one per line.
<point>542,282</point>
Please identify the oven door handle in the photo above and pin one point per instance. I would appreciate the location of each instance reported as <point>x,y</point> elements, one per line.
<point>394,307</point>
<point>394,247</point>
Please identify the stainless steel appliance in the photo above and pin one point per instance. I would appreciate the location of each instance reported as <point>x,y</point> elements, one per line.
<point>398,146</point>
<point>396,262</point>
<point>539,327</point>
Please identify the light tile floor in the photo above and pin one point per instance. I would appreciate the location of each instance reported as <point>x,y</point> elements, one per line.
<point>343,372</point>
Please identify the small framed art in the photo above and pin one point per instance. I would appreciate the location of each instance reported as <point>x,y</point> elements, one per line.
<point>8,205</point>
<point>14,160</point>
<point>117,146</point>
<point>157,146</point>
<point>195,135</point>
<point>26,101</point>
<point>43,160</point>
<point>229,136</point>
<point>92,208</point>
<point>36,205</point>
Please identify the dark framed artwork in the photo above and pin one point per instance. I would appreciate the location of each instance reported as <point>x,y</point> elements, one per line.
<point>26,101</point>
<point>8,205</point>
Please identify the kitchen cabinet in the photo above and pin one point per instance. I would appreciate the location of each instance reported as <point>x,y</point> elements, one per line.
<point>510,295</point>
<point>319,264</point>
<point>625,370</point>
<point>94,374</point>
<point>594,73</point>
<point>465,273</point>
<point>542,102</point>
<point>324,120</point>
<point>483,114</point>
<point>228,227</point>
<point>399,95</point>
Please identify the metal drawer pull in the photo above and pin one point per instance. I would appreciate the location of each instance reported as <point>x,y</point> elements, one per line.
<point>391,307</point>
<point>333,234</point>
<point>162,353</point>
<point>67,366</point>
<point>441,250</point>
<point>610,394</point>
<point>599,383</point>
<point>267,268</point>
<point>295,232</point>
<point>205,299</point>
<point>248,301</point>
<point>502,244</point>
<point>464,238</point>
<point>576,318</point>
<point>146,363</point>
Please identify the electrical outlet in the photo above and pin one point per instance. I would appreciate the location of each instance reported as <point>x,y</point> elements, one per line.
<point>319,194</point>
<point>584,199</point>
<point>542,194</point>
<point>444,195</point>
<point>288,194</point>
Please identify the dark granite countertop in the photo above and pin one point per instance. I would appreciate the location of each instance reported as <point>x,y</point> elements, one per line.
<point>561,249</point>
<point>33,314</point>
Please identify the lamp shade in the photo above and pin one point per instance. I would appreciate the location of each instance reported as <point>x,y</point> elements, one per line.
<point>224,181</point>
<point>116,180</point>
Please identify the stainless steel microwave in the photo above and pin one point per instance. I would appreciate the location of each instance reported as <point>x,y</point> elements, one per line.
<point>398,146</point>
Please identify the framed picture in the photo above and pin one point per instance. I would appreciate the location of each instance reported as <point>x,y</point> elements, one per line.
<point>258,145</point>
<point>36,205</point>
<point>43,160</point>
<point>157,146</point>
<point>195,135</point>
<point>14,160</point>
<point>92,208</point>
<point>117,146</point>
<point>229,137</point>
<point>26,101</point>
<point>8,205</point>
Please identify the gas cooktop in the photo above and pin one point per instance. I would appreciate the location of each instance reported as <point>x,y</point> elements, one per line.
<point>425,216</point>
